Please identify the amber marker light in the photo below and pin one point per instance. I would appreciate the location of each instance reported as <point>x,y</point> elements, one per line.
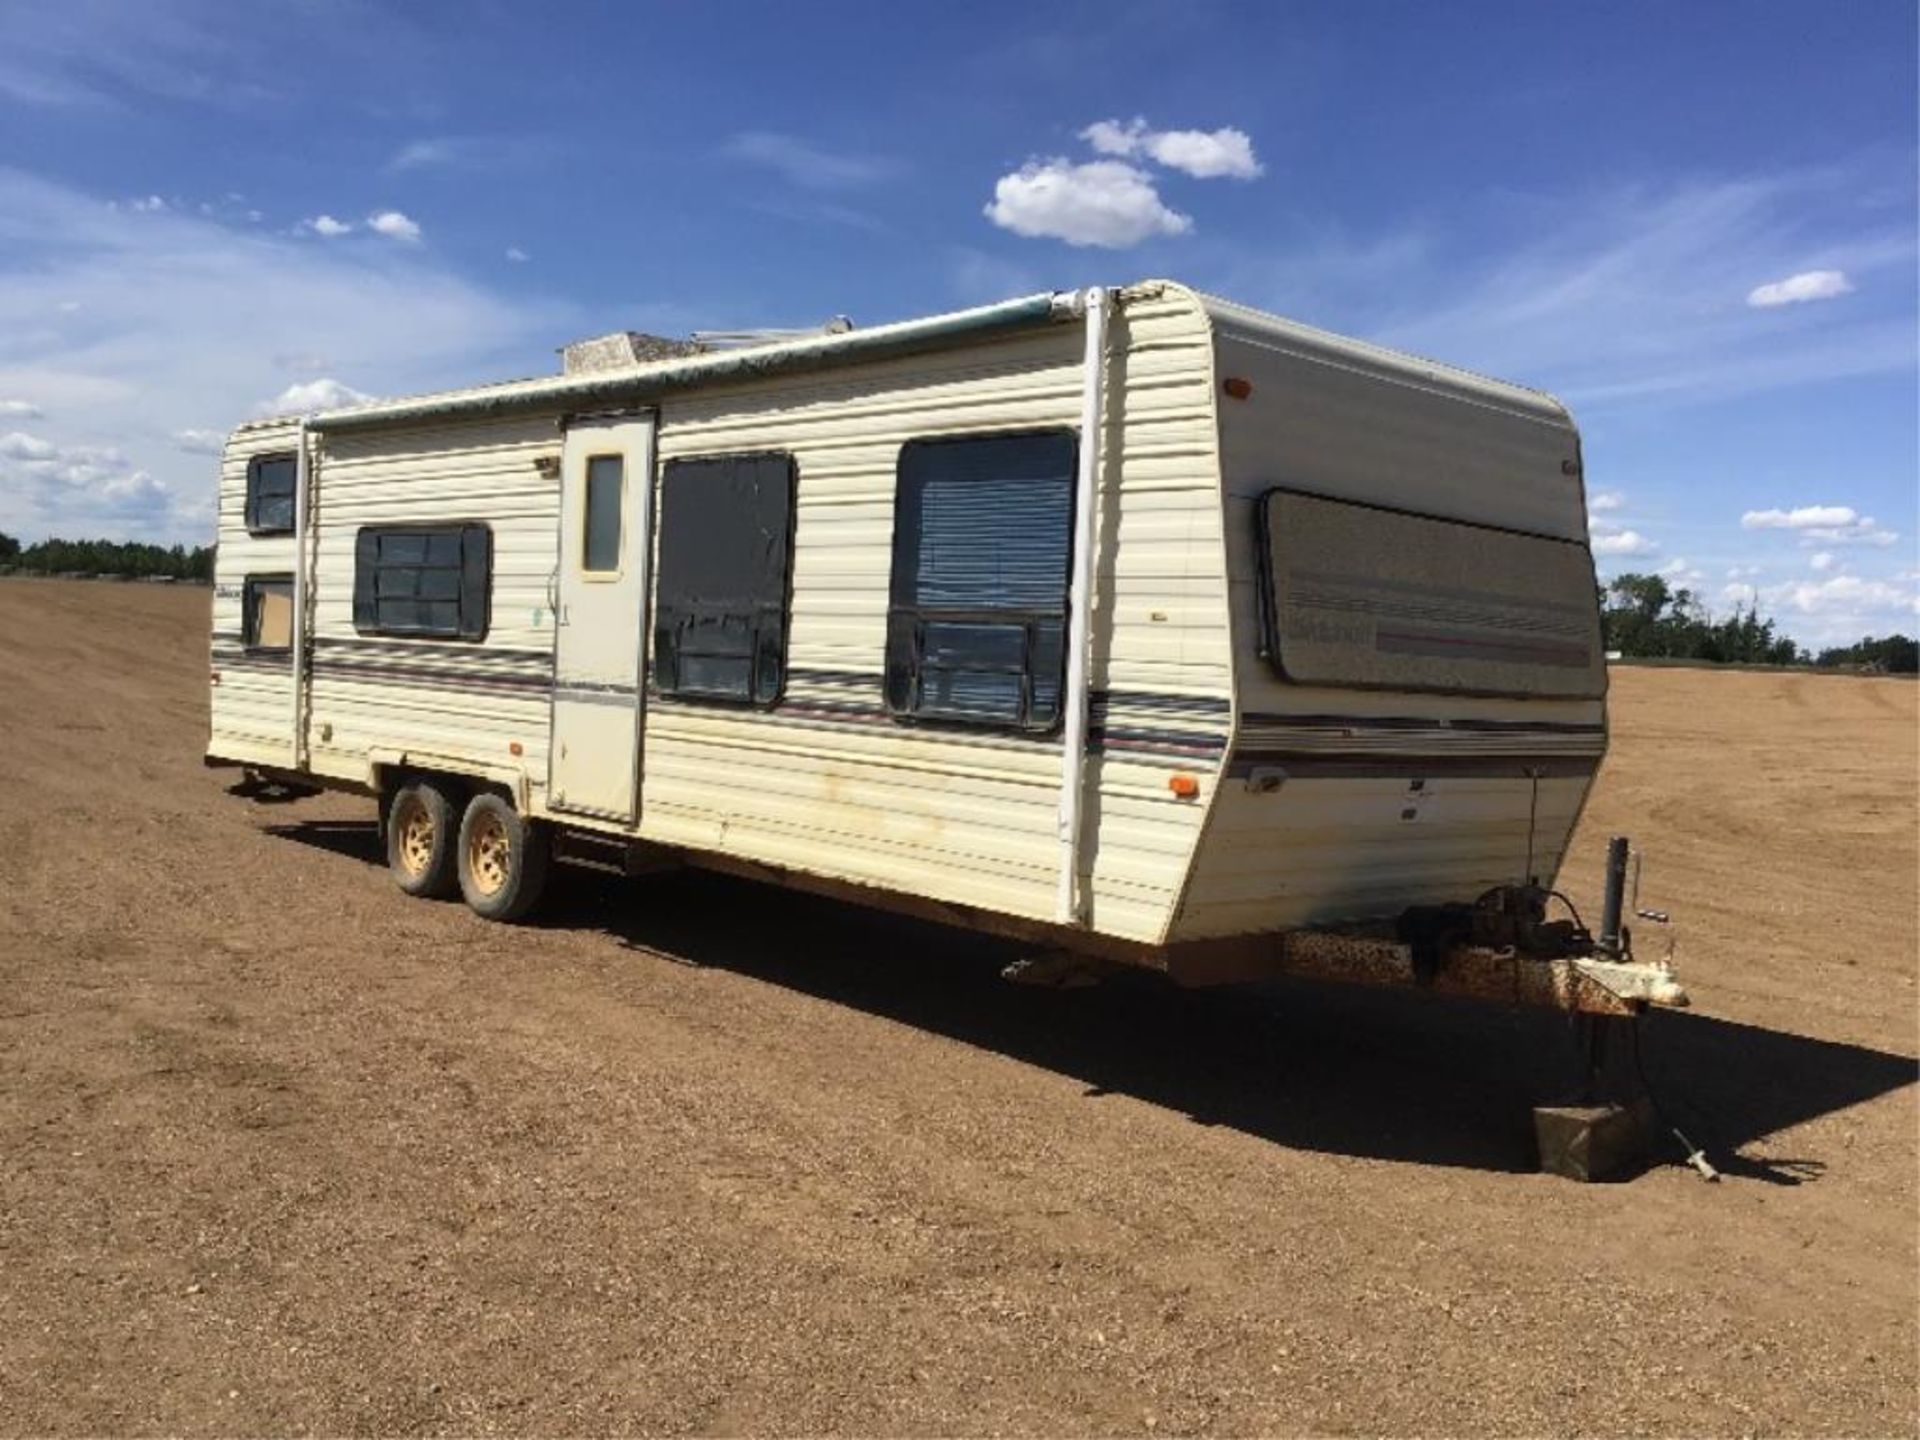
<point>1183,785</point>
<point>1238,388</point>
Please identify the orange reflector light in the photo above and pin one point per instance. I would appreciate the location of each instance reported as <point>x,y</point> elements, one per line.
<point>1183,785</point>
<point>513,747</point>
<point>1236,387</point>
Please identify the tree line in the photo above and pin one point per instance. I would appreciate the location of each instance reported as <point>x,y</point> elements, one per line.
<point>128,558</point>
<point>1645,618</point>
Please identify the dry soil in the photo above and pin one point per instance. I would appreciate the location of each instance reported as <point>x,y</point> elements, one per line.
<point>283,1151</point>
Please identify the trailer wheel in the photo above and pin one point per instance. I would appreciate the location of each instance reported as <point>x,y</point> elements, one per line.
<point>420,829</point>
<point>503,858</point>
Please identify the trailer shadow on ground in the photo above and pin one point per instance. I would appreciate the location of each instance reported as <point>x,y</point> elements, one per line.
<point>1385,1075</point>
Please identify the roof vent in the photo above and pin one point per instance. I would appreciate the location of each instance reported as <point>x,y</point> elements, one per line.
<point>622,350</point>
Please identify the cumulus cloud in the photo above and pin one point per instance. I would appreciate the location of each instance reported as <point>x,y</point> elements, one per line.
<point>327,227</point>
<point>1797,289</point>
<point>174,319</point>
<point>1822,524</point>
<point>395,225</point>
<point>1821,560</point>
<point>307,396</point>
<point>1106,203</point>
<point>1843,594</point>
<point>20,410</point>
<point>98,481</point>
<point>147,205</point>
<point>19,446</point>
<point>1623,542</point>
<point>517,255</point>
<point>1203,154</point>
<point>1605,501</point>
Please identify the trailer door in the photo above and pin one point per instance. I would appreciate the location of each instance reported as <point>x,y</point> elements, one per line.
<point>601,595</point>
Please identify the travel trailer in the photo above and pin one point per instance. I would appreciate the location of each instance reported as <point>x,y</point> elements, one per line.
<point>1133,623</point>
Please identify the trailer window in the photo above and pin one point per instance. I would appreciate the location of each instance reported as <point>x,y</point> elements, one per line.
<point>266,621</point>
<point>726,554</point>
<point>423,580</point>
<point>606,480</point>
<point>982,545</point>
<point>1360,595</point>
<point>270,482</point>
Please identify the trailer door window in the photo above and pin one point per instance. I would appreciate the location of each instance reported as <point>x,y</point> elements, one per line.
<point>606,481</point>
<point>270,482</point>
<point>1359,595</point>
<point>726,555</point>
<point>982,547</point>
<point>267,612</point>
<point>423,580</point>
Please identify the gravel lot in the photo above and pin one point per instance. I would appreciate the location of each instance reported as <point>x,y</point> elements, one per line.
<point>287,1152</point>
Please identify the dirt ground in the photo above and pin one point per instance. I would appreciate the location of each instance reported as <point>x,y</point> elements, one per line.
<point>283,1151</point>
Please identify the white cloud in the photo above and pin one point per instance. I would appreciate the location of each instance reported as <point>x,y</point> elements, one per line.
<point>1605,501</point>
<point>1107,203</point>
<point>1742,572</point>
<point>18,446</point>
<point>1623,542</point>
<point>307,396</point>
<point>1822,524</point>
<point>151,204</point>
<point>179,317</point>
<point>805,164</point>
<point>517,255</point>
<point>1681,573</point>
<point>1807,285</point>
<point>1203,154</point>
<point>96,481</point>
<point>20,410</point>
<point>1806,517</point>
<point>199,442</point>
<point>394,225</point>
<point>1821,560</point>
<point>327,227</point>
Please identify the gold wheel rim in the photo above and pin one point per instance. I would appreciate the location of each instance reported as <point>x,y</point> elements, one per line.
<point>489,854</point>
<point>416,837</point>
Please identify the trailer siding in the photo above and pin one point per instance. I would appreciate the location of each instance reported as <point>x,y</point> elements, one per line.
<point>1346,835</point>
<point>250,708</point>
<point>828,782</point>
<point>457,704</point>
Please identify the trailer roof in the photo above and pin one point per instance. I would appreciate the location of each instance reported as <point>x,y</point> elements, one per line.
<point>1276,332</point>
<point>627,384</point>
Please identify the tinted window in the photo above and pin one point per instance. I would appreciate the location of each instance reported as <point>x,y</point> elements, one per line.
<point>726,551</point>
<point>982,543</point>
<point>266,621</point>
<point>423,580</point>
<point>270,482</point>
<point>606,481</point>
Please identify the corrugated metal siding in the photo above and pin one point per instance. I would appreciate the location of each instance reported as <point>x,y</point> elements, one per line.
<point>1340,418</point>
<point>463,701</point>
<point>251,709</point>
<point>828,783</point>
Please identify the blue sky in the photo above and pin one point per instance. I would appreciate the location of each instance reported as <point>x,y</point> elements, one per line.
<point>1696,224</point>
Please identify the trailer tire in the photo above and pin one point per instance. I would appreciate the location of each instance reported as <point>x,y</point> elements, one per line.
<point>421,828</point>
<point>503,858</point>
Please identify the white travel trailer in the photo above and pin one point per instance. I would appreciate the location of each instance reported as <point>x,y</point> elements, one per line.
<point>1135,623</point>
